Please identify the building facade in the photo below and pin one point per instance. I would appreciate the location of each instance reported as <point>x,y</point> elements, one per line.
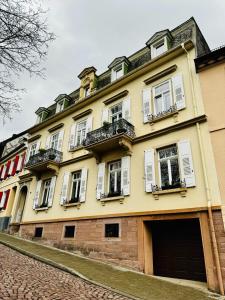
<point>122,169</point>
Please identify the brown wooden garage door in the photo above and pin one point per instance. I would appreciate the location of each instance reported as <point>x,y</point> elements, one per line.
<point>177,249</point>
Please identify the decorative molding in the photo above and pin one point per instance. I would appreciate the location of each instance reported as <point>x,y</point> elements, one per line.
<point>130,214</point>
<point>34,138</point>
<point>56,127</point>
<point>83,114</point>
<point>160,74</point>
<point>108,199</point>
<point>181,190</point>
<point>116,97</point>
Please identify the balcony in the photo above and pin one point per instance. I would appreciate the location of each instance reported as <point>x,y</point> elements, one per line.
<point>110,136</point>
<point>43,161</point>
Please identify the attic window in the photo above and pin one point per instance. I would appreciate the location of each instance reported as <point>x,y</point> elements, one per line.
<point>159,48</point>
<point>87,91</point>
<point>117,72</point>
<point>60,106</point>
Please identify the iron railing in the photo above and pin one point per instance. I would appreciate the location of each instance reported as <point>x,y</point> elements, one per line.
<point>45,156</point>
<point>109,130</point>
<point>179,184</point>
<point>172,109</point>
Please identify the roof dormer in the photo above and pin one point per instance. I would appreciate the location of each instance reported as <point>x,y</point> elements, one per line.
<point>42,114</point>
<point>160,42</point>
<point>88,81</point>
<point>62,101</point>
<point>118,67</point>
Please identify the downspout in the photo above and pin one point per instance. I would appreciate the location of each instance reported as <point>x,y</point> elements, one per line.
<point>208,193</point>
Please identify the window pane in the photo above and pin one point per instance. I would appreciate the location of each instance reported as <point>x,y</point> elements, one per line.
<point>175,171</point>
<point>158,104</point>
<point>112,230</point>
<point>112,182</point>
<point>69,231</point>
<point>167,102</point>
<point>164,173</point>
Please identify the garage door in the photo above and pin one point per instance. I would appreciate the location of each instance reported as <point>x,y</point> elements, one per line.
<point>177,249</point>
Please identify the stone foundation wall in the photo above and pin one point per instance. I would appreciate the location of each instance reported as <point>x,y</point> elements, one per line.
<point>90,239</point>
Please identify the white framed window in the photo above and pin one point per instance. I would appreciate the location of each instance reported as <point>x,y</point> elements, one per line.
<point>81,131</point>
<point>114,178</point>
<point>159,47</point>
<point>60,106</point>
<point>33,148</point>
<point>75,187</point>
<point>117,72</point>
<point>45,193</point>
<point>162,97</point>
<point>87,91</point>
<point>54,141</point>
<point>168,162</point>
<point>116,113</point>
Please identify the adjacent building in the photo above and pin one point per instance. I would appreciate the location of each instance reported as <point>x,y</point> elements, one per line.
<point>122,169</point>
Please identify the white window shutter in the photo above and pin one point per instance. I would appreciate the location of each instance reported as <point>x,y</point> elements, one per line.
<point>100,180</point>
<point>26,160</point>
<point>48,142</point>
<point>149,161</point>
<point>126,109</point>
<point>105,115</point>
<point>11,167</point>
<point>19,165</point>
<point>178,91</point>
<point>72,137</point>
<point>60,140</point>
<point>89,124</point>
<point>186,163</point>
<point>146,104</point>
<point>2,202</point>
<point>125,176</point>
<point>64,191</point>
<point>37,194</point>
<point>51,191</point>
<point>3,172</point>
<point>37,147</point>
<point>84,173</point>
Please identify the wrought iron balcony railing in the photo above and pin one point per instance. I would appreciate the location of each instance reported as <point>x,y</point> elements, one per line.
<point>109,130</point>
<point>171,110</point>
<point>45,156</point>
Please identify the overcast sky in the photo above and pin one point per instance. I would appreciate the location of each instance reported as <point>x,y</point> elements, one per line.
<point>95,32</point>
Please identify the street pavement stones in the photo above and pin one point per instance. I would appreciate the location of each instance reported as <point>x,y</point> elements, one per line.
<point>22,277</point>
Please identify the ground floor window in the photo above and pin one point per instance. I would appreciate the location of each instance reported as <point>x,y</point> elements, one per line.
<point>112,230</point>
<point>69,231</point>
<point>38,232</point>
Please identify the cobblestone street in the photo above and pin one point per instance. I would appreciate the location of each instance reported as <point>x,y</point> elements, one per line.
<point>22,277</point>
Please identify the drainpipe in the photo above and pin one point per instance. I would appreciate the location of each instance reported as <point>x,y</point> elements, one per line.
<point>208,194</point>
<point>211,223</point>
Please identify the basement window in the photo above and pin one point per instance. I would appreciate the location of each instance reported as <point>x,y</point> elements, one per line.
<point>112,230</point>
<point>69,231</point>
<point>38,232</point>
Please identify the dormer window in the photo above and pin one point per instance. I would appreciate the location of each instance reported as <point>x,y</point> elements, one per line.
<point>159,48</point>
<point>62,101</point>
<point>118,72</point>
<point>42,114</point>
<point>60,106</point>
<point>119,67</point>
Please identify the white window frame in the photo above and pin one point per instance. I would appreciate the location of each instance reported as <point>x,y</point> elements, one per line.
<point>73,181</point>
<point>168,164</point>
<point>117,113</point>
<point>33,148</point>
<point>116,174</point>
<point>54,142</point>
<point>61,105</point>
<point>81,136</point>
<point>163,42</point>
<point>46,185</point>
<point>87,90</point>
<point>115,72</point>
<point>154,95</point>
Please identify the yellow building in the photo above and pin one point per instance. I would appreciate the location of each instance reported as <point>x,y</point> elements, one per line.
<point>122,168</point>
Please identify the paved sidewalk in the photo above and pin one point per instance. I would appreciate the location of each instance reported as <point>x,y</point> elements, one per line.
<point>128,282</point>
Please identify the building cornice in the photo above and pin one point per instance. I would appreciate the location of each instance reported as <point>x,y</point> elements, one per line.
<point>149,66</point>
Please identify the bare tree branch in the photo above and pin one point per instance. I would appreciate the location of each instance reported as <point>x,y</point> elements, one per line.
<point>24,41</point>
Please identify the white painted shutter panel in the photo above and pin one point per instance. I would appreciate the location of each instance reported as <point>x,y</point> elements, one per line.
<point>37,194</point>
<point>3,172</point>
<point>186,163</point>
<point>126,109</point>
<point>100,180</point>
<point>105,115</point>
<point>72,136</point>
<point>60,140</point>
<point>178,91</point>
<point>37,147</point>
<point>11,167</point>
<point>51,191</point>
<point>19,165</point>
<point>2,202</point>
<point>84,173</point>
<point>149,169</point>
<point>146,104</point>
<point>89,124</point>
<point>64,191</point>
<point>27,158</point>
<point>48,142</point>
<point>125,170</point>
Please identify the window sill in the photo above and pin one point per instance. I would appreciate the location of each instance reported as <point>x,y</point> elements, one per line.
<point>182,192</point>
<point>164,116</point>
<point>77,205</point>
<point>108,199</point>
<point>41,209</point>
